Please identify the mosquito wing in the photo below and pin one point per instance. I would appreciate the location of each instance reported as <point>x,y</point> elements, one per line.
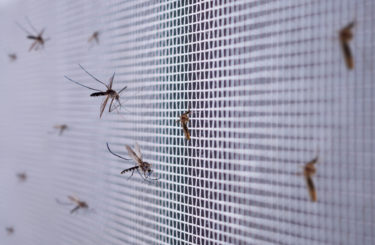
<point>73,199</point>
<point>138,150</point>
<point>102,107</point>
<point>133,155</point>
<point>311,188</point>
<point>186,130</point>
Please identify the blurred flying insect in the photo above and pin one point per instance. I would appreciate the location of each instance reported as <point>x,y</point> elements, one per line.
<point>308,171</point>
<point>22,177</point>
<point>345,36</point>
<point>94,37</point>
<point>12,57</point>
<point>39,41</point>
<point>136,155</point>
<point>74,200</point>
<point>109,93</point>
<point>184,119</point>
<point>61,128</point>
<point>10,230</point>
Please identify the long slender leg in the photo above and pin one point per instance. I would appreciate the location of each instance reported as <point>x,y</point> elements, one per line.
<point>81,84</point>
<point>109,149</point>
<point>32,27</point>
<point>93,76</point>
<point>23,29</point>
<point>74,209</point>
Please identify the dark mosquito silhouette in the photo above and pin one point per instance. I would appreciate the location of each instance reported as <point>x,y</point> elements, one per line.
<point>308,171</point>
<point>74,200</point>
<point>61,128</point>
<point>136,155</point>
<point>22,177</point>
<point>184,119</point>
<point>109,93</point>
<point>37,36</point>
<point>12,57</point>
<point>345,36</point>
<point>94,37</point>
<point>10,230</point>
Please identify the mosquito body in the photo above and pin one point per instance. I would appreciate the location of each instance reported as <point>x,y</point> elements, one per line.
<point>141,166</point>
<point>184,119</point>
<point>35,35</point>
<point>109,93</point>
<point>22,177</point>
<point>94,37</point>
<point>12,57</point>
<point>10,230</point>
<point>345,36</point>
<point>61,128</point>
<point>74,200</point>
<point>308,171</point>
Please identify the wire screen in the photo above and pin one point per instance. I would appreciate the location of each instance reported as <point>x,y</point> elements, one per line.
<point>268,89</point>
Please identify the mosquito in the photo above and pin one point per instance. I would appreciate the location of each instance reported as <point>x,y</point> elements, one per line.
<point>94,36</point>
<point>308,171</point>
<point>22,177</point>
<point>74,200</point>
<point>184,119</point>
<point>109,93</point>
<point>61,128</point>
<point>136,155</point>
<point>10,230</point>
<point>39,41</point>
<point>12,57</point>
<point>345,36</point>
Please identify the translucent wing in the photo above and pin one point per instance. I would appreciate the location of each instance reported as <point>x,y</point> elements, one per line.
<point>133,155</point>
<point>311,188</point>
<point>73,199</point>
<point>347,55</point>
<point>138,150</point>
<point>111,81</point>
<point>186,130</point>
<point>33,45</point>
<point>102,107</point>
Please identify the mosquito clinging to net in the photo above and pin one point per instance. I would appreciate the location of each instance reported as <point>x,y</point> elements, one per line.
<point>35,35</point>
<point>74,200</point>
<point>141,166</point>
<point>109,93</point>
<point>346,35</point>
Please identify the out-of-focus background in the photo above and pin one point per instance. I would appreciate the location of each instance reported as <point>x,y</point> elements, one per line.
<point>269,90</point>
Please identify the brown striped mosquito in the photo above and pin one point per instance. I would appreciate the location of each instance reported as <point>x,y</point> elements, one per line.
<point>184,119</point>
<point>345,36</point>
<point>94,37</point>
<point>141,166</point>
<point>61,128</point>
<point>12,57</point>
<point>9,230</point>
<point>35,35</point>
<point>22,177</point>
<point>109,93</point>
<point>309,171</point>
<point>74,201</point>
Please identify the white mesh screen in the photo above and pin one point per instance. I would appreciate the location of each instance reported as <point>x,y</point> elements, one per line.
<point>268,89</point>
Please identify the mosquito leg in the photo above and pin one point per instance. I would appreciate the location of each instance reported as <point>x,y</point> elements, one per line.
<point>131,174</point>
<point>74,209</point>
<point>29,22</point>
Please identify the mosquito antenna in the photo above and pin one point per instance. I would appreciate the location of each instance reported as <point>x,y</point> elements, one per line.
<point>115,153</point>
<point>32,27</point>
<point>93,76</point>
<point>81,84</point>
<point>23,29</point>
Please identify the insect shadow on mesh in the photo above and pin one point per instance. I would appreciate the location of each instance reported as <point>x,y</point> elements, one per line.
<point>309,171</point>
<point>61,128</point>
<point>12,57</point>
<point>22,176</point>
<point>35,35</point>
<point>345,36</point>
<point>9,230</point>
<point>94,37</point>
<point>109,93</point>
<point>141,166</point>
<point>74,201</point>
<point>184,119</point>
